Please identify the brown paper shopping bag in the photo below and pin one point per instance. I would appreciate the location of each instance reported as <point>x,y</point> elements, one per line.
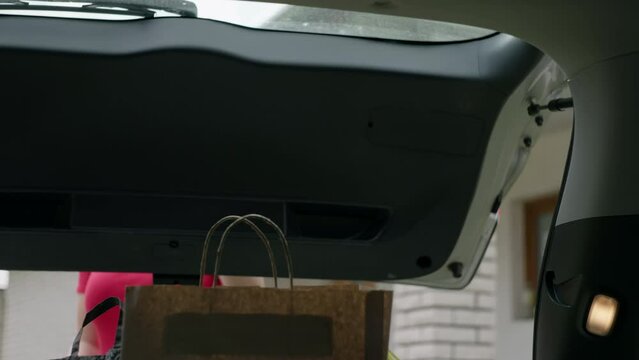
<point>196,323</point>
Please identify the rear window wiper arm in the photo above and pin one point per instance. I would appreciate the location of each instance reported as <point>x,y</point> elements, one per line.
<point>141,8</point>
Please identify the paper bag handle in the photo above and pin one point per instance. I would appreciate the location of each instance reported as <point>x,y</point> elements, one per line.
<point>280,233</point>
<point>255,228</point>
<point>237,220</point>
<point>93,314</point>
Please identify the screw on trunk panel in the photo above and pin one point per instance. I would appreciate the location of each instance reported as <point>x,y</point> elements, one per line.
<point>424,262</point>
<point>527,141</point>
<point>456,268</point>
<point>533,109</point>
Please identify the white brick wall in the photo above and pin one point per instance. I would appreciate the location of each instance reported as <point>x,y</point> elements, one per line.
<point>38,320</point>
<point>478,318</point>
<point>486,336</point>
<point>473,352</point>
<point>434,333</point>
<point>486,301</point>
<point>1,321</point>
<point>431,324</point>
<point>427,351</point>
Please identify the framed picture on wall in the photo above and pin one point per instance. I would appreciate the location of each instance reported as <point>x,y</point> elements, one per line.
<point>538,213</point>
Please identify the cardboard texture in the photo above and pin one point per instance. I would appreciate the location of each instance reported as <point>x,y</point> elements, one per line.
<point>194,323</point>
